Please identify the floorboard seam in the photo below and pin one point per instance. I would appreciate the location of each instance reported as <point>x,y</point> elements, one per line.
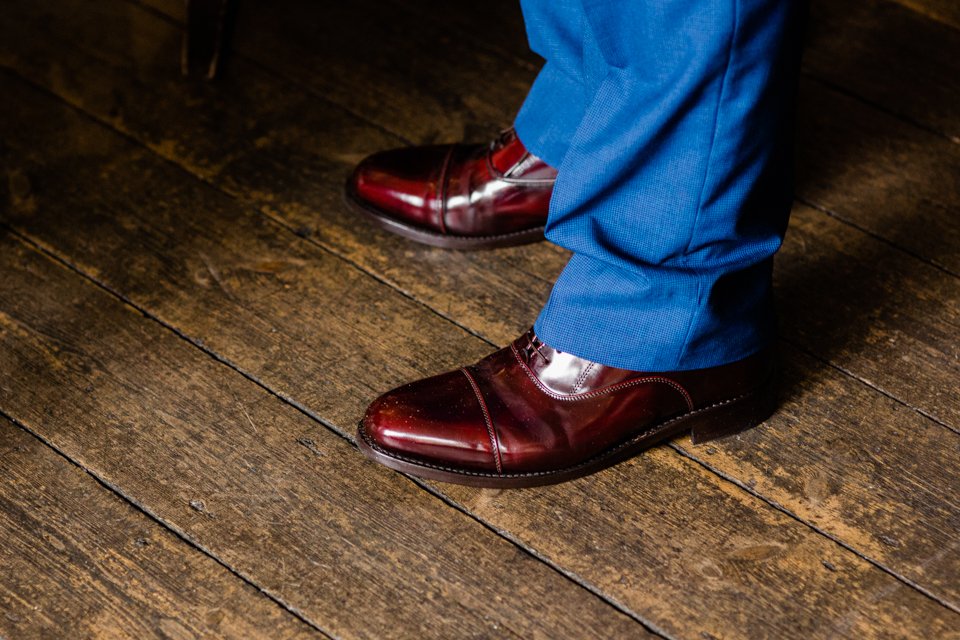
<point>180,535</point>
<point>803,349</point>
<point>198,344</point>
<point>832,86</point>
<point>843,220</point>
<point>932,17</point>
<point>778,507</point>
<point>567,573</point>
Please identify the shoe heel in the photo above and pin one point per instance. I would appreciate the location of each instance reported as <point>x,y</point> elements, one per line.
<point>737,416</point>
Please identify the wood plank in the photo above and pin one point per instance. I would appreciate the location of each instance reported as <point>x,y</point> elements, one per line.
<point>355,548</point>
<point>889,55</point>
<point>871,310</point>
<point>945,11</point>
<point>789,587</point>
<point>355,54</point>
<point>898,182</point>
<point>78,562</point>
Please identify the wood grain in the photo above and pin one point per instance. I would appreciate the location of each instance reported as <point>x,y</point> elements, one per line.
<point>355,548</point>
<point>945,11</point>
<point>257,322</point>
<point>890,56</point>
<point>884,175</point>
<point>78,562</point>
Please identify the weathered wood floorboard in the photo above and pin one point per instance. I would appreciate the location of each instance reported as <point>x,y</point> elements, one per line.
<point>255,294</point>
<point>889,55</point>
<point>946,11</point>
<point>355,548</point>
<point>78,562</point>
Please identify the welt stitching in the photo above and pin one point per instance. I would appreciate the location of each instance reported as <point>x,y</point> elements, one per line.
<point>604,391</point>
<point>600,456</point>
<point>452,236</point>
<point>582,377</point>
<point>491,432</point>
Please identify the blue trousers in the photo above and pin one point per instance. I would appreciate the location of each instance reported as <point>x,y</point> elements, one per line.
<point>671,125</point>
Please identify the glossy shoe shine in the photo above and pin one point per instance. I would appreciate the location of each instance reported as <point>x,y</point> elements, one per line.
<point>456,196</point>
<point>530,415</point>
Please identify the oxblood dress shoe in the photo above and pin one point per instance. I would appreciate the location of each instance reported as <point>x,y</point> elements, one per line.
<point>456,196</point>
<point>530,415</point>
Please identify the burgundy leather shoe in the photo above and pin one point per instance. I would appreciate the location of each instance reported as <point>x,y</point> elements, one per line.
<point>530,415</point>
<point>456,196</point>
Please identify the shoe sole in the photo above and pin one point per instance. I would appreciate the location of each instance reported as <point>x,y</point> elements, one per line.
<point>709,423</point>
<point>464,243</point>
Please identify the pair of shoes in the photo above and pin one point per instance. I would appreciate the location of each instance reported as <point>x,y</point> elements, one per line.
<point>528,414</point>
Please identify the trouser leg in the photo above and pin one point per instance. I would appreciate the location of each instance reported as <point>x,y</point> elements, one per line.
<point>557,31</point>
<point>674,183</point>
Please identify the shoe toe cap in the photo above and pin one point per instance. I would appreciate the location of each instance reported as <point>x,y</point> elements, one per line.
<point>437,421</point>
<point>401,182</point>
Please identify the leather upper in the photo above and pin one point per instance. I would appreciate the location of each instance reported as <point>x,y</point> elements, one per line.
<point>531,408</point>
<point>458,189</point>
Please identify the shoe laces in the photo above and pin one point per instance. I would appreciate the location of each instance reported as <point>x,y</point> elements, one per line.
<point>533,347</point>
<point>496,144</point>
<point>500,140</point>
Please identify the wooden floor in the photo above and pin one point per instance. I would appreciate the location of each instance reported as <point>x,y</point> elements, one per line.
<point>191,323</point>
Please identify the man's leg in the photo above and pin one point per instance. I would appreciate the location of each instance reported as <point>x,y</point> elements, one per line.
<point>556,103</point>
<point>675,188</point>
<point>673,193</point>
